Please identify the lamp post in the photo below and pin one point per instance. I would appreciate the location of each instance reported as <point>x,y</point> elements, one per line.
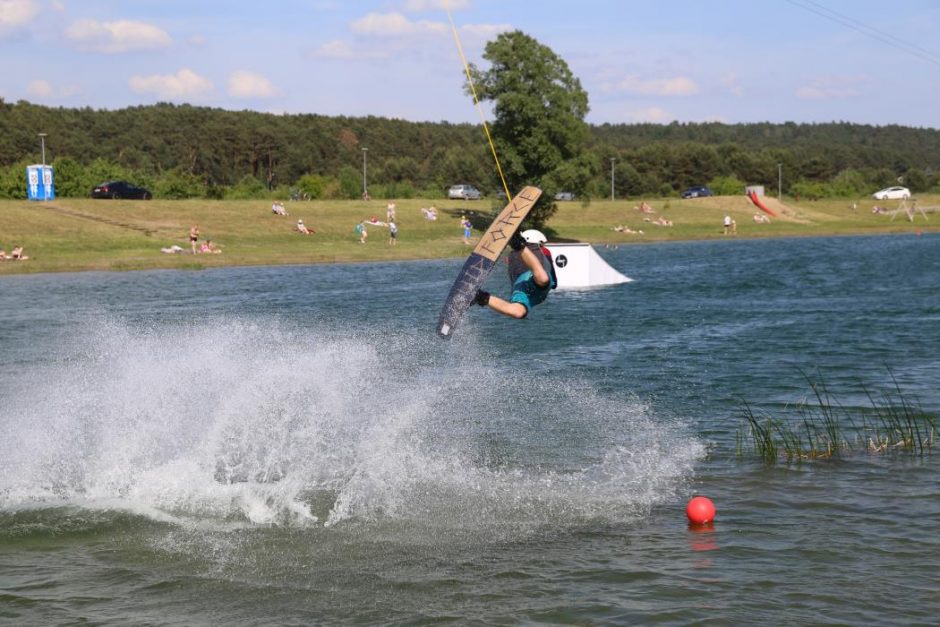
<point>42,140</point>
<point>779,181</point>
<point>365,186</point>
<point>612,179</point>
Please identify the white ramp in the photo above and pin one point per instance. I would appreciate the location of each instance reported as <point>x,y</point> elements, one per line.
<point>579,265</point>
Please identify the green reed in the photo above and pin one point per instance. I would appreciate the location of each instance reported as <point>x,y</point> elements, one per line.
<point>897,424</point>
<point>824,429</point>
<point>762,434</point>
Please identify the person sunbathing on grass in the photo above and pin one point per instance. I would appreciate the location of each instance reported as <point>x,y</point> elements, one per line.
<point>302,228</point>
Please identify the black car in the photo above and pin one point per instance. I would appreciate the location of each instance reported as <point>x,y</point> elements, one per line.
<point>121,189</point>
<point>697,192</point>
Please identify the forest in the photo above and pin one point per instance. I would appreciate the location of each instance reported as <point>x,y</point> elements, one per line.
<point>184,151</point>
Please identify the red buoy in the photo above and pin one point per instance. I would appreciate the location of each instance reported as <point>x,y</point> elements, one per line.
<point>700,510</point>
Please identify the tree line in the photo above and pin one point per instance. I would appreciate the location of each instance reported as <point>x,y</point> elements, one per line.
<point>184,151</point>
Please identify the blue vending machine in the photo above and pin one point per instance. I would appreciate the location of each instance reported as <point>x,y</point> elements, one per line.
<point>40,183</point>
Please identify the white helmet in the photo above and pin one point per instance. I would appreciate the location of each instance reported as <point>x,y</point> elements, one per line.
<point>534,237</point>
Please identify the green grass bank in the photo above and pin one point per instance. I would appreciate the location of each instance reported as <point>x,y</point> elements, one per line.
<point>83,234</point>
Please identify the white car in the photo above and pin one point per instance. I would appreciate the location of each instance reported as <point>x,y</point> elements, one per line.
<point>463,192</point>
<point>892,193</point>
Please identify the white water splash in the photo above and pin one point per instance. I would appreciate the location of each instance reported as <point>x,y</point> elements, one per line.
<point>233,422</point>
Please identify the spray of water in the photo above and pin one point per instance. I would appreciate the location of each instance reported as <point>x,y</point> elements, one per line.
<point>231,422</point>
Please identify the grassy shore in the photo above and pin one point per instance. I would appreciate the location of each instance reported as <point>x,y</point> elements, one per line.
<point>84,234</point>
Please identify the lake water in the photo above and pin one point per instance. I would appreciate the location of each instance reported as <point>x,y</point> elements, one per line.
<point>294,445</point>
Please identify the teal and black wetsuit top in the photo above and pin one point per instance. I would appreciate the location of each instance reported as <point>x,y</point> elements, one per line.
<point>524,288</point>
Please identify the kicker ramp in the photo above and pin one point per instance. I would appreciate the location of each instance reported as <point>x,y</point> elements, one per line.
<point>579,266</point>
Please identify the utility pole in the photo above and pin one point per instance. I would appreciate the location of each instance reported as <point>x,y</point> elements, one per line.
<point>42,140</point>
<point>612,178</point>
<point>365,186</point>
<point>780,182</point>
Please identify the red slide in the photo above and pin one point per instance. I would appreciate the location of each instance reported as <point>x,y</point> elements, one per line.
<point>754,199</point>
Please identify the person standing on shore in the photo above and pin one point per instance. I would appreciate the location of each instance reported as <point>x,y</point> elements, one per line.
<point>194,237</point>
<point>392,234</point>
<point>467,229</point>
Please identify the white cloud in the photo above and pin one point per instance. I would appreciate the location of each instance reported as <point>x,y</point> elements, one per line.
<point>395,25</point>
<point>16,13</point>
<point>730,80</point>
<point>183,84</point>
<point>435,5</point>
<point>39,89</point>
<point>483,31</point>
<point>344,50</point>
<point>831,88</point>
<point>677,86</point>
<point>43,90</point>
<point>817,92</point>
<point>398,26</point>
<point>117,37</point>
<point>335,50</point>
<point>244,84</point>
<point>58,5</point>
<point>651,114</point>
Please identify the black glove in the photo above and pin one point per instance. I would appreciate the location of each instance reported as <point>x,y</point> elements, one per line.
<point>482,298</point>
<point>516,242</point>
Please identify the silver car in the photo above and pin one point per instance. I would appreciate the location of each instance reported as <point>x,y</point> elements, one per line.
<point>892,193</point>
<point>463,192</point>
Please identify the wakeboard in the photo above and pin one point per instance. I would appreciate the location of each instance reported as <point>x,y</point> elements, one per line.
<point>483,259</point>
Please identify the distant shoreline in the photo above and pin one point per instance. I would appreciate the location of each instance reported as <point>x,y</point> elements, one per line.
<point>83,235</point>
<point>24,270</point>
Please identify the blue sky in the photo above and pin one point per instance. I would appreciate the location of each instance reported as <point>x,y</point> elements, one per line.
<point>862,61</point>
